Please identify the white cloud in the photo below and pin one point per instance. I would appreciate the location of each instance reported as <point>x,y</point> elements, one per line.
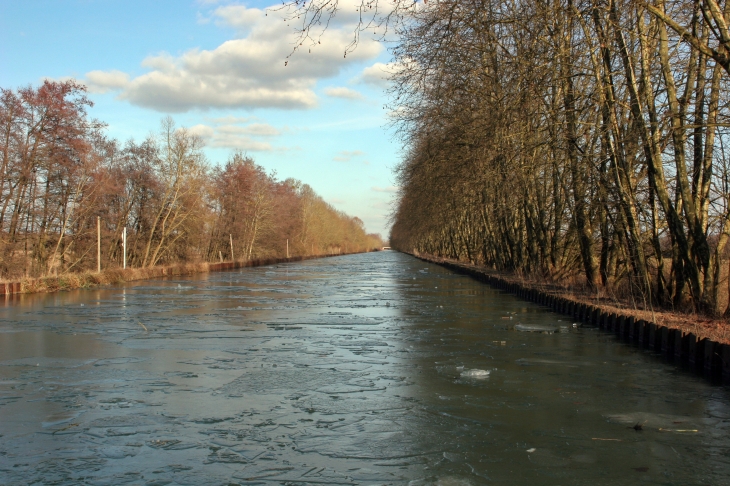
<point>241,142</point>
<point>251,71</point>
<point>347,155</point>
<point>233,120</point>
<point>202,19</point>
<point>202,131</point>
<point>379,74</point>
<point>341,92</point>
<point>261,129</point>
<point>105,81</point>
<point>236,136</point>
<point>391,189</point>
<point>239,16</point>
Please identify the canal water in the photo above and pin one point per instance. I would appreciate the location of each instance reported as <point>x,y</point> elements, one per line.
<point>361,369</point>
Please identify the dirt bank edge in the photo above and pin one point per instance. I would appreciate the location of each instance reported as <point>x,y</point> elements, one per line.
<point>71,281</point>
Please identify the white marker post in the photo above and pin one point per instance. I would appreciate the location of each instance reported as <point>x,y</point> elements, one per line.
<point>98,244</point>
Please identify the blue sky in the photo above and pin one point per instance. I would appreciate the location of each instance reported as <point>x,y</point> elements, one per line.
<point>218,68</point>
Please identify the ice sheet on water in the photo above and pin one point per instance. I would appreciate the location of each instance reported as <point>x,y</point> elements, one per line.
<point>207,404</point>
<point>442,481</point>
<point>535,328</point>
<point>475,374</point>
<point>47,362</point>
<point>119,361</point>
<point>663,422</point>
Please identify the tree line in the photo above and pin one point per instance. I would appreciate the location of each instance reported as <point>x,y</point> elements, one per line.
<point>581,141</point>
<point>62,178</point>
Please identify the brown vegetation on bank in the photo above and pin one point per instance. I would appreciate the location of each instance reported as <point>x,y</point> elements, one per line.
<point>69,194</point>
<point>72,281</point>
<point>581,143</point>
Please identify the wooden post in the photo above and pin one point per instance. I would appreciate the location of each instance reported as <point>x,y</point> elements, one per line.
<point>98,244</point>
<point>124,246</point>
<point>220,254</point>
<point>287,247</point>
<point>233,258</point>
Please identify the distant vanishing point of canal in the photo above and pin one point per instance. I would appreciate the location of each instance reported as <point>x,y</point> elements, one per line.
<point>362,369</point>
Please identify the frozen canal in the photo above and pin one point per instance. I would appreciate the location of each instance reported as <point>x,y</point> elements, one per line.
<point>362,369</point>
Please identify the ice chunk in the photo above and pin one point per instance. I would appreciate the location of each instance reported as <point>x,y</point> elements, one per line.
<point>476,374</point>
<point>535,328</point>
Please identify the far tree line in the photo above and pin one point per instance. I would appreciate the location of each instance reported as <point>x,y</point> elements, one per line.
<point>60,174</point>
